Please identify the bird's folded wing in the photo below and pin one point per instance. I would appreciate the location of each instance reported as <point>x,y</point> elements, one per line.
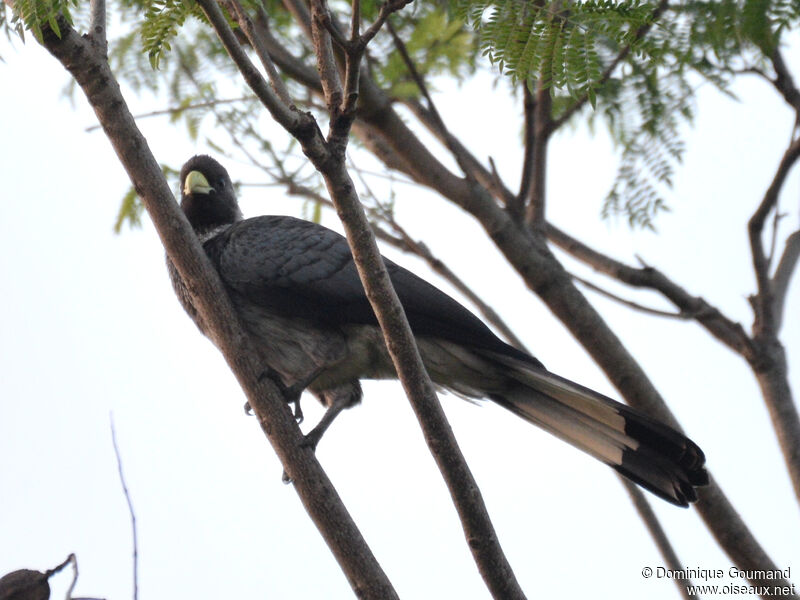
<point>301,269</point>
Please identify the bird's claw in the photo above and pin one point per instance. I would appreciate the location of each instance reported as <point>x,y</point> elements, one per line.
<point>291,393</point>
<point>298,412</point>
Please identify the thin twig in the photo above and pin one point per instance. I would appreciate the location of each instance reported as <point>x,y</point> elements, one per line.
<point>179,109</point>
<point>130,508</point>
<point>71,559</point>
<point>321,27</point>
<point>727,331</point>
<point>465,162</point>
<point>629,303</point>
<point>387,9</point>
<point>659,536</point>
<point>256,41</point>
<point>290,119</point>
<point>288,63</point>
<point>776,221</point>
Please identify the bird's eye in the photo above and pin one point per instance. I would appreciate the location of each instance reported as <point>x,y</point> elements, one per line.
<point>221,184</point>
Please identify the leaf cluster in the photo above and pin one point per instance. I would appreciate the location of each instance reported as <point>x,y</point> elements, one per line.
<point>38,15</point>
<point>554,42</point>
<point>638,63</point>
<point>162,20</point>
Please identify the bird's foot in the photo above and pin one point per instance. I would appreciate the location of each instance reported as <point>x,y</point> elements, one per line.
<point>290,393</point>
<point>310,440</point>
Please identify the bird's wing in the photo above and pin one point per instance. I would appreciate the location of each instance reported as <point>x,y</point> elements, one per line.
<point>301,269</point>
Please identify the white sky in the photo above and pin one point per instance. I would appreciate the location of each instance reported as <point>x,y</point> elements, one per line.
<point>89,326</point>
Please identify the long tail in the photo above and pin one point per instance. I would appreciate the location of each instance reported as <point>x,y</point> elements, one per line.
<point>648,452</point>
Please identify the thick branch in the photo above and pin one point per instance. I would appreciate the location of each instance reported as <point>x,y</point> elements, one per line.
<point>404,146</point>
<point>784,82</point>
<point>770,362</point>
<point>475,520</point>
<point>91,71</point>
<point>399,340</point>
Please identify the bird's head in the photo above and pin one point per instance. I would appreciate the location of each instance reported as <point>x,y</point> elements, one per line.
<point>207,194</point>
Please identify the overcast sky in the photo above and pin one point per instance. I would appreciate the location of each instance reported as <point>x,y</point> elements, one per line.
<point>89,326</point>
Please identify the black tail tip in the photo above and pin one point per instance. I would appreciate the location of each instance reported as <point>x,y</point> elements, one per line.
<point>673,479</point>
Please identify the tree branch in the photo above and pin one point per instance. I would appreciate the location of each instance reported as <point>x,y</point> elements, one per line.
<point>658,534</point>
<point>763,301</point>
<point>783,275</point>
<point>326,61</point>
<point>90,69</point>
<point>130,510</point>
<point>589,329</point>
<point>465,161</point>
<point>630,304</point>
<point>289,64</point>
<point>529,135</point>
<point>725,330</point>
<point>784,82</point>
<point>289,118</point>
<point>179,109</point>
<point>406,243</point>
<point>301,125</point>
<point>542,129</point>
<point>769,364</point>
<point>400,342</point>
<point>257,42</point>
<point>98,23</point>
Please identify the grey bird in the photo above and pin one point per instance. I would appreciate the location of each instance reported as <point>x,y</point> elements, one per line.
<point>295,288</point>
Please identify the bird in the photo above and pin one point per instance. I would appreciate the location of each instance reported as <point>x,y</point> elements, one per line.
<point>294,286</point>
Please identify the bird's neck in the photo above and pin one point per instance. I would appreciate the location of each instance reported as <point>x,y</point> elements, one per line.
<point>206,216</point>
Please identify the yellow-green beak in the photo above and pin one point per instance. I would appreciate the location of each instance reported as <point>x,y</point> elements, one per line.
<point>196,183</point>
